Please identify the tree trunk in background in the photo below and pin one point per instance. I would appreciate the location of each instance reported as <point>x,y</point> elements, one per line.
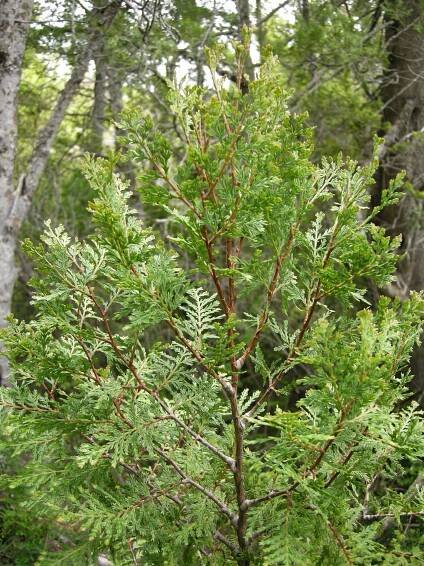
<point>260,29</point>
<point>115,81</point>
<point>15,202</point>
<point>98,114</point>
<point>14,18</point>
<point>305,10</point>
<point>243,12</point>
<point>403,109</point>
<point>99,104</point>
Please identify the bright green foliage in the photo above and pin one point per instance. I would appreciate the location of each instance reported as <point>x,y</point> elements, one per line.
<point>163,453</point>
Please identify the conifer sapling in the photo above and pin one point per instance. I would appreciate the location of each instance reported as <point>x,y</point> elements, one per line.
<point>153,397</point>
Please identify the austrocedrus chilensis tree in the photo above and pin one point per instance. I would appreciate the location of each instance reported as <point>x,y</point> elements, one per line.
<point>151,387</point>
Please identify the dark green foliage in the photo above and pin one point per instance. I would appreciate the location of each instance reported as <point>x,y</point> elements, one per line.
<point>333,57</point>
<point>162,454</point>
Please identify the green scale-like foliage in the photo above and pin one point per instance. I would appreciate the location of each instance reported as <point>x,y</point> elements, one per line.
<point>179,449</point>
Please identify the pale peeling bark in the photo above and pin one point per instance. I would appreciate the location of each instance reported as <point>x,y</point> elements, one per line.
<point>15,202</point>
<point>14,18</point>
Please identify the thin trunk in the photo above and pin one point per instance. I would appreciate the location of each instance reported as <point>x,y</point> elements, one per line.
<point>403,109</point>
<point>15,203</point>
<point>200,73</point>
<point>99,104</point>
<point>116,101</point>
<point>243,10</point>
<point>14,18</point>
<point>305,10</point>
<point>260,29</point>
<point>244,24</point>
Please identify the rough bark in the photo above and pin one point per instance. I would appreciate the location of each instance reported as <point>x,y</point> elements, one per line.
<point>15,201</point>
<point>14,18</point>
<point>115,81</point>
<point>402,94</point>
<point>99,104</point>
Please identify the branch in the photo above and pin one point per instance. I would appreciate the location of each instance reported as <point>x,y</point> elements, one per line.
<point>292,356</point>
<point>388,523</point>
<point>238,472</point>
<point>27,408</point>
<point>270,295</point>
<point>130,366</point>
<point>221,505</point>
<point>109,457</point>
<point>214,275</point>
<point>312,468</point>
<point>177,192</point>
<point>340,542</point>
<point>229,155</point>
<point>229,461</point>
<point>315,297</point>
<point>272,12</point>
<point>188,480</point>
<point>345,459</point>
<point>98,381</point>
<point>222,538</point>
<point>378,516</point>
<point>154,495</point>
<point>271,495</point>
<point>103,18</point>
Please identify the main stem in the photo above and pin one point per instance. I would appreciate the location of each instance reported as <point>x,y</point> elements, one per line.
<point>228,301</point>
<point>237,421</point>
<point>239,478</point>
